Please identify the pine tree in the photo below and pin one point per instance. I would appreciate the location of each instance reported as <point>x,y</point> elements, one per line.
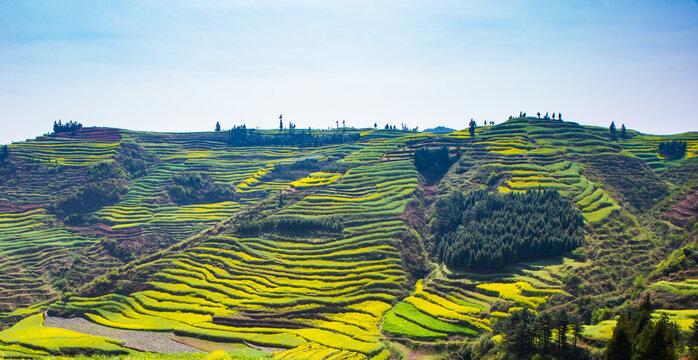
<point>562,322</point>
<point>693,339</point>
<point>622,131</point>
<point>620,346</point>
<point>218,126</point>
<point>612,130</point>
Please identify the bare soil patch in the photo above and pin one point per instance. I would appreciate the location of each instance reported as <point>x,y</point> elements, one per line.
<point>160,342</point>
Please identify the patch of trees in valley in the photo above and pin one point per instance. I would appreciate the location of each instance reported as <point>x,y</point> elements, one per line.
<point>433,164</point>
<point>484,231</point>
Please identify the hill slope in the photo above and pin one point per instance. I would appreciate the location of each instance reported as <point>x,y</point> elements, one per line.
<point>322,250</point>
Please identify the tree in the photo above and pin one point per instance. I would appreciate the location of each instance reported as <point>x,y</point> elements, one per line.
<point>559,116</point>
<point>344,123</point>
<point>375,126</point>
<point>693,340</point>
<point>637,338</point>
<point>218,126</point>
<point>612,130</point>
<point>472,127</point>
<point>539,114</point>
<point>620,347</point>
<point>70,126</point>
<point>622,131</point>
<point>577,328</point>
<point>4,153</point>
<point>656,342</point>
<point>562,322</point>
<point>281,122</point>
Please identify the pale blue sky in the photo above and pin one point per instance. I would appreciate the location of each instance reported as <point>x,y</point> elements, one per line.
<point>183,65</point>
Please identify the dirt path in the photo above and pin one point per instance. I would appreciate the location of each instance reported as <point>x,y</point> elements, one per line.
<point>160,342</point>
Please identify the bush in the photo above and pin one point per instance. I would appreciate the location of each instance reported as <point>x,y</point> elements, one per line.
<point>195,188</point>
<point>88,198</point>
<point>289,225</point>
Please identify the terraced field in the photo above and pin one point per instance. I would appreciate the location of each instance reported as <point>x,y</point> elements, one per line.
<point>323,263</point>
<point>39,252</point>
<point>645,147</point>
<point>333,291</point>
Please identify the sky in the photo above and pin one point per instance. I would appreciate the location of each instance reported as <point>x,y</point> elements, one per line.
<point>183,65</point>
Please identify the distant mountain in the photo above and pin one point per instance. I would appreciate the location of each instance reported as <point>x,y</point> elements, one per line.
<point>439,129</point>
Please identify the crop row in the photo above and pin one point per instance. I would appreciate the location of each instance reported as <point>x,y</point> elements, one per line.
<point>65,152</point>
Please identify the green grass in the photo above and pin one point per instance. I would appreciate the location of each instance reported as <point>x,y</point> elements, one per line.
<point>396,325</point>
<point>411,313</point>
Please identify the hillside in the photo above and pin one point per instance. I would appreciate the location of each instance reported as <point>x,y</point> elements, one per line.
<point>324,244</point>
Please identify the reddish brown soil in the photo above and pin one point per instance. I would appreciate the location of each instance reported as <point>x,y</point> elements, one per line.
<point>8,207</point>
<point>93,134</point>
<point>685,209</point>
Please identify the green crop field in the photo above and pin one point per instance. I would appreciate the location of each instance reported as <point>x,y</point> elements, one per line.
<point>326,250</point>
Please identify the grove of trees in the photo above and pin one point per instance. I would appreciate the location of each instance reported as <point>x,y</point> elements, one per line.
<point>433,164</point>
<point>483,231</point>
<point>637,337</point>
<point>70,126</point>
<point>672,149</point>
<point>527,334</point>
<point>242,136</point>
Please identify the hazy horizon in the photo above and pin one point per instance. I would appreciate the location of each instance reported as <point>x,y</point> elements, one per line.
<point>182,65</point>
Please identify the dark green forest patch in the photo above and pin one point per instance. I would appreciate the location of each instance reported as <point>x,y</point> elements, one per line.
<point>433,164</point>
<point>487,231</point>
